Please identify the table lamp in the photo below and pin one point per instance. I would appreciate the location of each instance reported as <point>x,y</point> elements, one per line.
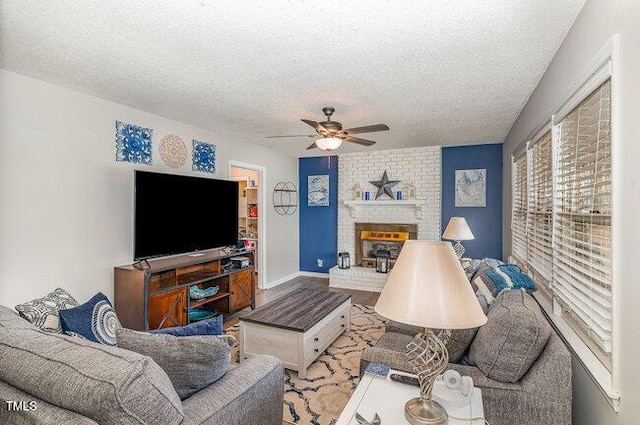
<point>458,230</point>
<point>427,287</point>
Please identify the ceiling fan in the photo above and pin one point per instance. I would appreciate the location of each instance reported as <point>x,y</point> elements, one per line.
<point>332,134</point>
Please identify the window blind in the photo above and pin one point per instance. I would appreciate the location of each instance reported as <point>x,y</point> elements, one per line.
<point>519,206</point>
<point>540,208</point>
<point>582,266</point>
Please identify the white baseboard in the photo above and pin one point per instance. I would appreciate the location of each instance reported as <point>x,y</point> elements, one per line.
<point>284,279</point>
<point>313,274</point>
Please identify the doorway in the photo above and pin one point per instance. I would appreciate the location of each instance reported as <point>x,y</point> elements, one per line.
<point>251,213</point>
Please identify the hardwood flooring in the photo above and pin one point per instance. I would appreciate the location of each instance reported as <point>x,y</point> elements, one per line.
<point>264,296</point>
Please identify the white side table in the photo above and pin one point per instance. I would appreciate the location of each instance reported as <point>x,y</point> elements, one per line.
<point>387,398</point>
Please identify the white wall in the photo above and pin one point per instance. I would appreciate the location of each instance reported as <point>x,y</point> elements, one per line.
<point>597,22</point>
<point>66,205</point>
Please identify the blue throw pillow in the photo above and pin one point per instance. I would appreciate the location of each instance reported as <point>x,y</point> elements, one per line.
<point>94,320</point>
<point>509,276</point>
<point>211,326</point>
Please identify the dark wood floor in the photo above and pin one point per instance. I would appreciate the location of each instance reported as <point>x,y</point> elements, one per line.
<point>264,296</point>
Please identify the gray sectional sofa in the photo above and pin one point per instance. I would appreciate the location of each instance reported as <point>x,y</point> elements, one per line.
<point>57,379</point>
<point>522,367</point>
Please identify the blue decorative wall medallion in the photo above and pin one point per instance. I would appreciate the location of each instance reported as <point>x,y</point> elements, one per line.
<point>133,143</point>
<point>204,157</point>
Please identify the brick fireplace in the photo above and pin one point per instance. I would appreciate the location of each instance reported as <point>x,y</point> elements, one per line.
<point>420,167</point>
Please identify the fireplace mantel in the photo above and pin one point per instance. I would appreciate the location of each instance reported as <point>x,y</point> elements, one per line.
<point>414,203</point>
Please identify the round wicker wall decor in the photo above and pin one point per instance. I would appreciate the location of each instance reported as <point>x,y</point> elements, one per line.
<point>173,151</point>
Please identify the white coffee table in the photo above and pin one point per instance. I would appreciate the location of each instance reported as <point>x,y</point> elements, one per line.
<point>387,398</point>
<point>296,328</point>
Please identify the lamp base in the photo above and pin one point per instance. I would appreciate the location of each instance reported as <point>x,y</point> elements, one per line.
<point>421,411</point>
<point>459,249</point>
<point>429,357</point>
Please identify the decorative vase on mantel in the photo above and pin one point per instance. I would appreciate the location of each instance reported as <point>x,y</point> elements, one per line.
<point>357,192</point>
<point>410,191</point>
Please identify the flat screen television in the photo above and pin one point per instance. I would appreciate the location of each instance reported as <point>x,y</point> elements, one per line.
<point>182,214</point>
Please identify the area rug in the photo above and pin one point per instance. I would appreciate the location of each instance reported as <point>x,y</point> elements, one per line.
<point>331,379</point>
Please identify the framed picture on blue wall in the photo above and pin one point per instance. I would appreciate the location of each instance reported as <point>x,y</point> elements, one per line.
<point>471,188</point>
<point>318,191</point>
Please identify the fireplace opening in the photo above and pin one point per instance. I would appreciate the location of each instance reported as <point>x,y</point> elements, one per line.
<point>373,241</point>
<point>373,236</point>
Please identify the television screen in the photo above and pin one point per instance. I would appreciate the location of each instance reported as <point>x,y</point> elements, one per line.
<point>179,214</point>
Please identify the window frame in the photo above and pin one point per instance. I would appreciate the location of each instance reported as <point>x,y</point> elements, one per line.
<point>602,67</point>
<point>531,146</point>
<point>576,252</point>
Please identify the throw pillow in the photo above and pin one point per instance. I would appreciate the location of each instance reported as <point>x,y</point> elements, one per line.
<point>482,284</point>
<point>43,312</point>
<point>191,362</point>
<point>514,336</point>
<point>211,326</point>
<point>95,320</point>
<point>509,276</point>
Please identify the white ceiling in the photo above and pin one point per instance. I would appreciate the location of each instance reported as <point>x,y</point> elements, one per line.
<point>439,72</point>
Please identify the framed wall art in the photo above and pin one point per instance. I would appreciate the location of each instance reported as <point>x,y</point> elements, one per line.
<point>318,191</point>
<point>471,188</point>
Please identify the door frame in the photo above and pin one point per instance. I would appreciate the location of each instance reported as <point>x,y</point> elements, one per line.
<point>262,228</point>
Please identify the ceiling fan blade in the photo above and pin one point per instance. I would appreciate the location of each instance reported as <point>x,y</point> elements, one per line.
<point>294,135</point>
<point>366,129</point>
<point>319,128</point>
<point>359,141</point>
<point>312,146</point>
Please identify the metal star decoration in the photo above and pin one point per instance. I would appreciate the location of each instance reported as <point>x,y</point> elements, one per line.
<point>384,186</point>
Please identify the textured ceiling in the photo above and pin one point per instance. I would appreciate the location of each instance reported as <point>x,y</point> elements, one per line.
<point>439,72</point>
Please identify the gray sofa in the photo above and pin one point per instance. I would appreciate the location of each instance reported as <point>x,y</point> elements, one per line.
<point>66,380</point>
<point>522,367</point>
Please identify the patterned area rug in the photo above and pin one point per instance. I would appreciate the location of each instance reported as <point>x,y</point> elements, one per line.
<point>331,379</point>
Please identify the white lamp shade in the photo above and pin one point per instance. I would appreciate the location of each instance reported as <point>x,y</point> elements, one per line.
<point>328,143</point>
<point>427,287</point>
<point>458,230</point>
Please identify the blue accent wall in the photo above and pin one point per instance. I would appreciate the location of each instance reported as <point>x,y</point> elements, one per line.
<point>318,225</point>
<point>485,222</point>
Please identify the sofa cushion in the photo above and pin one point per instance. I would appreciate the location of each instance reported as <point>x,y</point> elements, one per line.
<point>515,334</point>
<point>106,384</point>
<point>391,350</point>
<point>393,326</point>
<point>94,320</point>
<point>457,342</point>
<point>191,362</point>
<point>43,312</point>
<point>9,319</point>
<point>38,412</point>
<point>212,326</point>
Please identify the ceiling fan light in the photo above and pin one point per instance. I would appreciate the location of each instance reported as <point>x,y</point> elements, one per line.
<point>328,143</point>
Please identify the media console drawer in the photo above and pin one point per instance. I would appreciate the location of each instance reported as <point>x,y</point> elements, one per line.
<point>295,348</point>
